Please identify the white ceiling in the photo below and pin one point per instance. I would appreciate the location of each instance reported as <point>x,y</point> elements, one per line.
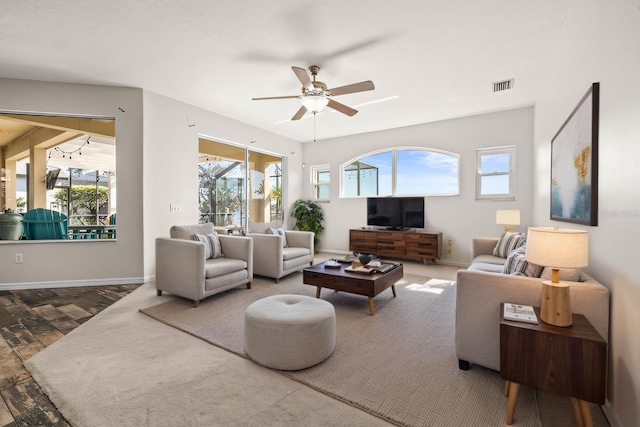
<point>438,57</point>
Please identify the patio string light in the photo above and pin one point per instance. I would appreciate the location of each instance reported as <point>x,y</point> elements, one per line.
<point>70,153</point>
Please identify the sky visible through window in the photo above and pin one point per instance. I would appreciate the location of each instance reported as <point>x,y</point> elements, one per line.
<point>426,172</point>
<point>418,172</point>
<point>495,163</point>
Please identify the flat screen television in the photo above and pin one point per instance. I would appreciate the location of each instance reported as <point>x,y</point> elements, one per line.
<point>52,177</point>
<point>396,213</point>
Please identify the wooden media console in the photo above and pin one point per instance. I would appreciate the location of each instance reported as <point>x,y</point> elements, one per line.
<point>393,243</point>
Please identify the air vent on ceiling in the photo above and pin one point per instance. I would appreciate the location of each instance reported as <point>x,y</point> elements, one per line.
<point>502,85</point>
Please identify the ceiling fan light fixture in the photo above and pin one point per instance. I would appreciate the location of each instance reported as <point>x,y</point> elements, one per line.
<point>315,103</point>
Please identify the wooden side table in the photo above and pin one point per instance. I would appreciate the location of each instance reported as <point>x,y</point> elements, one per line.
<point>570,361</point>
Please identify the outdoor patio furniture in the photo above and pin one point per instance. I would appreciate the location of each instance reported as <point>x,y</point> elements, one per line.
<point>44,224</point>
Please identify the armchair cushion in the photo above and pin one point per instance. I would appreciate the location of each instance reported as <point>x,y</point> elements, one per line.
<point>279,231</point>
<point>221,266</point>
<point>212,247</point>
<point>291,253</point>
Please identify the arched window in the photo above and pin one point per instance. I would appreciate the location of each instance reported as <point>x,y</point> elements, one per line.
<point>402,172</point>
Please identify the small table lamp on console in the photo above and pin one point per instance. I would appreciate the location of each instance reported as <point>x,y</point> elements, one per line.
<point>508,219</point>
<point>557,248</point>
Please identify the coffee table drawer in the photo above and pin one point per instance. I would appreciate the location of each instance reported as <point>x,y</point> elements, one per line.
<point>355,285</point>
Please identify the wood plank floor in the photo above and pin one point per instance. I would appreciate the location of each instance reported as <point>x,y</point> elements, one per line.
<point>31,320</point>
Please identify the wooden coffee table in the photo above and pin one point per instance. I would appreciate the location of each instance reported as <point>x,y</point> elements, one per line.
<point>338,279</point>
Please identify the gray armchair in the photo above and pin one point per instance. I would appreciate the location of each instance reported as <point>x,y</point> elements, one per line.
<point>271,259</point>
<point>181,267</point>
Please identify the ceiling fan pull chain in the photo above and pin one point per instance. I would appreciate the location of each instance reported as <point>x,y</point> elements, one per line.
<point>314,126</point>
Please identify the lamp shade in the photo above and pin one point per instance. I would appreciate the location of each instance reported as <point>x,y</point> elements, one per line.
<point>508,217</point>
<point>557,247</point>
<point>314,103</point>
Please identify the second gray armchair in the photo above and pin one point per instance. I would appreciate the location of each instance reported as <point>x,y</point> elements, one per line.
<point>270,256</point>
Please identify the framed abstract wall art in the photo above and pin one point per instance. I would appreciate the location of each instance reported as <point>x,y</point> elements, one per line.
<point>574,163</point>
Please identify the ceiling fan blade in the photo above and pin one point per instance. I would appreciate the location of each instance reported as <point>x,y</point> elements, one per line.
<point>276,97</point>
<point>303,76</point>
<point>352,88</point>
<point>341,108</point>
<point>300,113</point>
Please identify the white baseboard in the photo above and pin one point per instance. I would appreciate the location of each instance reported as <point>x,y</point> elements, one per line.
<point>72,283</point>
<point>610,415</point>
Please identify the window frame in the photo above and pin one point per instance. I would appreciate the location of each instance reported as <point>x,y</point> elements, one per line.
<point>207,148</point>
<point>316,184</point>
<point>50,150</point>
<point>480,152</point>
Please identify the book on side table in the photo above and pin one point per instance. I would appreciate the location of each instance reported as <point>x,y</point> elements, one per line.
<point>520,313</point>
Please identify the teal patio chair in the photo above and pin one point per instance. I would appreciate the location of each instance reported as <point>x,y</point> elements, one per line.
<point>110,232</point>
<point>45,224</point>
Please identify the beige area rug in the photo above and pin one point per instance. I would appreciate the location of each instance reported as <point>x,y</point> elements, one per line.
<point>399,365</point>
<point>122,368</point>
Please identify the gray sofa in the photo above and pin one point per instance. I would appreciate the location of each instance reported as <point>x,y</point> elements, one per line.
<point>271,259</point>
<point>181,267</point>
<point>481,288</point>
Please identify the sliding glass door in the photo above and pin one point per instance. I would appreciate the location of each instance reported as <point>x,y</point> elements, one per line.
<point>237,185</point>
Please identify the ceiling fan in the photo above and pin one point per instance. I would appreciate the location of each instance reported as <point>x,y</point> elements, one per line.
<point>315,95</point>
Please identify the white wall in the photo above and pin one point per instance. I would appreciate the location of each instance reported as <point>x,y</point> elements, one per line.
<point>459,218</point>
<point>84,262</point>
<point>171,159</point>
<point>156,161</point>
<point>600,43</point>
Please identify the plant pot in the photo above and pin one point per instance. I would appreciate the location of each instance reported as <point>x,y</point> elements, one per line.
<point>10,225</point>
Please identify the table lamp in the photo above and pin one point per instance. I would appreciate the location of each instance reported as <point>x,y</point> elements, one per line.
<point>557,248</point>
<point>508,218</point>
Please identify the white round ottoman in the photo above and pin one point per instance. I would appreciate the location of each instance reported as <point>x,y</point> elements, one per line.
<point>289,332</point>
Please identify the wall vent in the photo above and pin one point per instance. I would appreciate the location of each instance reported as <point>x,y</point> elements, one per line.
<point>502,85</point>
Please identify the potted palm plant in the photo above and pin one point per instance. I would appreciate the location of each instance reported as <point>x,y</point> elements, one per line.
<point>309,217</point>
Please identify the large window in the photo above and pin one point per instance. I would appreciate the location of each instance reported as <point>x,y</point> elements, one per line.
<point>238,185</point>
<point>401,172</point>
<point>495,171</point>
<point>64,164</point>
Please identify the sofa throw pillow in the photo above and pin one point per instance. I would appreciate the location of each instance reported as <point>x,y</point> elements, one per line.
<point>279,231</point>
<point>508,242</point>
<point>212,247</point>
<point>566,274</point>
<point>517,264</point>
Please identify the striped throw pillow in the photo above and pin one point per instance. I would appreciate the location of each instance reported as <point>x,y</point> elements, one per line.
<point>508,242</point>
<point>212,247</point>
<point>279,231</point>
<point>517,264</point>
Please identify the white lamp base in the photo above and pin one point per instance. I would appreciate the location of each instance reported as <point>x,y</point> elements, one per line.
<point>556,304</point>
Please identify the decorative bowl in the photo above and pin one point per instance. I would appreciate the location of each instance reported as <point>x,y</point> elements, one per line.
<point>364,259</point>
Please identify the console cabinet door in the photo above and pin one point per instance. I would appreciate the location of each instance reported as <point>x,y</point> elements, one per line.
<point>391,243</point>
